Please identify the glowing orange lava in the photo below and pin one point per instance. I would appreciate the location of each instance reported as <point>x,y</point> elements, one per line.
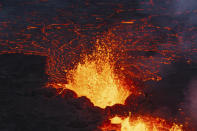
<point>94,78</point>
<point>141,124</point>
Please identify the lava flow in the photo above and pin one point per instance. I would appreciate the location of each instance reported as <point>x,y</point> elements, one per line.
<point>140,124</point>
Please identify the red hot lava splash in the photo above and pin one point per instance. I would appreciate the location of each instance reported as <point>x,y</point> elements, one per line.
<point>105,75</point>
<point>94,78</point>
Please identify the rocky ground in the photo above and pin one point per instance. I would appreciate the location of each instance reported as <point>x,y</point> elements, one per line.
<point>27,106</point>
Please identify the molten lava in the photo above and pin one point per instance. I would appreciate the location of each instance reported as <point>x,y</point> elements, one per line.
<point>134,49</point>
<point>94,78</point>
<point>141,124</point>
<point>106,75</point>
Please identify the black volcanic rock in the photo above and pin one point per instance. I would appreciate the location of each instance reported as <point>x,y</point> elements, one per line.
<point>26,105</point>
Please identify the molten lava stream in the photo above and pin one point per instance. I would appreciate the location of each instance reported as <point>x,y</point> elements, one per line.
<point>140,124</point>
